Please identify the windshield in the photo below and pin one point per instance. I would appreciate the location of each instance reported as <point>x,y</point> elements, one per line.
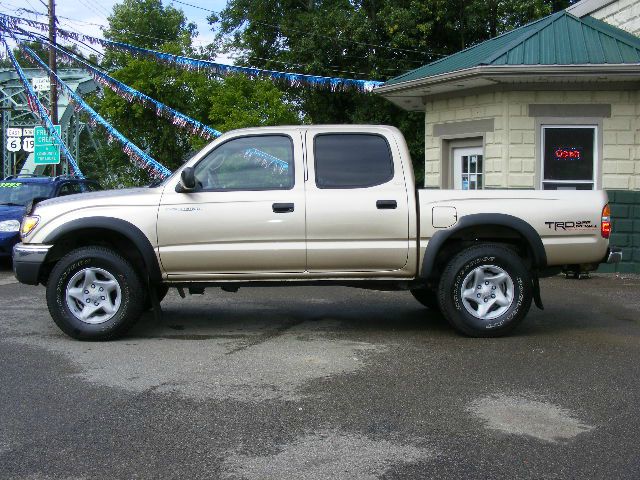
<point>19,193</point>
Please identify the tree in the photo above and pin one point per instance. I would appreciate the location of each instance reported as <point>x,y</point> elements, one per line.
<point>243,102</point>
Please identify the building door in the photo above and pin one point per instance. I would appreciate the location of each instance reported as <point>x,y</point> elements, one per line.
<point>468,168</point>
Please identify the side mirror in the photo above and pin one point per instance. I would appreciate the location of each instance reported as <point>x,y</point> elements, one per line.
<point>187,181</point>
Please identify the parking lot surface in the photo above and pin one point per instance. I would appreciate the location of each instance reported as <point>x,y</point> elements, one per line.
<point>324,383</point>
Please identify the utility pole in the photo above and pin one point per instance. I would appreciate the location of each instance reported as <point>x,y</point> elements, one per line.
<point>53,92</point>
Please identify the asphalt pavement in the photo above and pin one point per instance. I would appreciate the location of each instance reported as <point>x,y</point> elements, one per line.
<point>324,383</point>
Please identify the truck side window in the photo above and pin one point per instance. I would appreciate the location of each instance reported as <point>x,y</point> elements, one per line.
<point>352,160</point>
<point>262,162</point>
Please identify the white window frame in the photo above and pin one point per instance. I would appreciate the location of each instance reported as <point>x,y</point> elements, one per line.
<point>596,160</point>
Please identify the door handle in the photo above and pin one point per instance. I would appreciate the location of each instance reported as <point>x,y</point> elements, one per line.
<point>386,204</point>
<point>282,207</point>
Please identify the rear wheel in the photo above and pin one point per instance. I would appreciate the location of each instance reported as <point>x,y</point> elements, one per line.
<point>485,291</point>
<point>94,294</point>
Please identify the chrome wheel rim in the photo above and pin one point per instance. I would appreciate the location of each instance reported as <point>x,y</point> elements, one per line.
<point>487,292</point>
<point>93,295</point>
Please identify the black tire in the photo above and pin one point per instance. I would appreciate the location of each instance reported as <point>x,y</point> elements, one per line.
<point>427,297</point>
<point>131,294</point>
<point>495,258</point>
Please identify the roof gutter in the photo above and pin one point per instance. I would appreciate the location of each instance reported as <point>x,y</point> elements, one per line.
<point>586,70</point>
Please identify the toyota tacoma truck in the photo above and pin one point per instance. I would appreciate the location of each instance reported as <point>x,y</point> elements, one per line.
<point>306,205</point>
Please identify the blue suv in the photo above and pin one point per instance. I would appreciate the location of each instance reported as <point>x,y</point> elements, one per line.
<point>17,192</point>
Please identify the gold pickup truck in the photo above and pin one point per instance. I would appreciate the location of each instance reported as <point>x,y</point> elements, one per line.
<point>307,205</point>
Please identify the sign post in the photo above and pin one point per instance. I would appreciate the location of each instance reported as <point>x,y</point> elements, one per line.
<point>45,151</point>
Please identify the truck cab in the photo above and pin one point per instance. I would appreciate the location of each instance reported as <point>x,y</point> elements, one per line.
<point>317,203</point>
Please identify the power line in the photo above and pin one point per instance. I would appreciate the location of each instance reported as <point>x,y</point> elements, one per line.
<point>86,4</point>
<point>99,7</point>
<point>194,6</point>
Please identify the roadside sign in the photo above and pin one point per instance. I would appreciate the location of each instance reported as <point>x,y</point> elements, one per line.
<point>45,151</point>
<point>19,138</point>
<point>13,144</point>
<point>41,84</point>
<point>28,144</point>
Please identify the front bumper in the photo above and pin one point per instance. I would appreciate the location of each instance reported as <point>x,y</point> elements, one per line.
<point>28,260</point>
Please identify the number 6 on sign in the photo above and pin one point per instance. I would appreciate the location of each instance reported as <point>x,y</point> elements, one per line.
<point>13,144</point>
<point>27,144</point>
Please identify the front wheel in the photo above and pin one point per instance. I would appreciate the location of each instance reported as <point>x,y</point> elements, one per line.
<point>94,294</point>
<point>485,291</point>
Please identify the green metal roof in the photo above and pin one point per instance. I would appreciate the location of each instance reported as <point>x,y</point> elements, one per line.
<point>559,39</point>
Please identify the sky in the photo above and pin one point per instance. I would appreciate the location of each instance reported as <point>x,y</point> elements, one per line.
<point>87,16</point>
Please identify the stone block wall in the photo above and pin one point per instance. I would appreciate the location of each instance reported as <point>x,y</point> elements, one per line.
<point>510,150</point>
<point>625,211</point>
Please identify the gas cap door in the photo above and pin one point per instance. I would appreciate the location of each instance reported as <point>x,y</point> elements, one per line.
<point>444,217</point>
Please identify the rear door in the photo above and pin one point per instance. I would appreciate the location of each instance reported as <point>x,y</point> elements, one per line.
<point>357,205</point>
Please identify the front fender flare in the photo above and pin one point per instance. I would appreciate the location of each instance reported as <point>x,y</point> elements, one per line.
<point>124,228</point>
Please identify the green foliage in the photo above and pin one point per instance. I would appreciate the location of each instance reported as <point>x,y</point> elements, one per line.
<point>246,102</point>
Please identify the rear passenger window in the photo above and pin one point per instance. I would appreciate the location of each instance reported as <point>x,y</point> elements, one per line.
<point>352,160</point>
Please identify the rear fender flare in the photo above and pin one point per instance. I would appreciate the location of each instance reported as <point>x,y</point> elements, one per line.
<point>478,219</point>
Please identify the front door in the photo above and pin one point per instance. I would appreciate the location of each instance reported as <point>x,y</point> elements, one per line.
<point>246,216</point>
<point>468,173</point>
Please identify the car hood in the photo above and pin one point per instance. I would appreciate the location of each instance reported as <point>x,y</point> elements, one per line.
<point>11,212</point>
<point>116,198</point>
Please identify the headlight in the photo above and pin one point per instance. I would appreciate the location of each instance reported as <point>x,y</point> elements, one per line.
<point>10,226</point>
<point>28,224</point>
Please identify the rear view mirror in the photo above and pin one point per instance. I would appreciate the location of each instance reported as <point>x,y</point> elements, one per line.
<point>187,181</point>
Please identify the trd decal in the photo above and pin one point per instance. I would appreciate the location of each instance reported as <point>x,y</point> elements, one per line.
<point>570,225</point>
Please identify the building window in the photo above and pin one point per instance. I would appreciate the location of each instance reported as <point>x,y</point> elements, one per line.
<point>569,157</point>
<point>468,169</point>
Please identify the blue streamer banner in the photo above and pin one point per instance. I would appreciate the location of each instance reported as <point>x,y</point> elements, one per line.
<point>131,94</point>
<point>44,116</point>
<point>140,158</point>
<point>213,68</point>
<point>266,160</point>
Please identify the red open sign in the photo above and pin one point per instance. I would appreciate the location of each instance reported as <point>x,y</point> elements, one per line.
<point>571,153</point>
